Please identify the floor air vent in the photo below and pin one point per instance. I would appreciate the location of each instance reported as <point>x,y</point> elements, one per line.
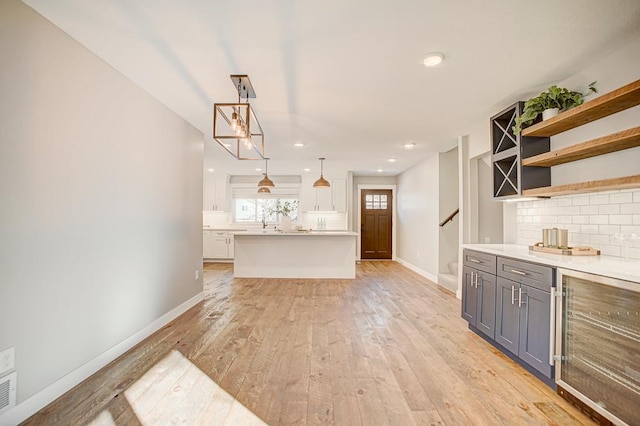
<point>8,391</point>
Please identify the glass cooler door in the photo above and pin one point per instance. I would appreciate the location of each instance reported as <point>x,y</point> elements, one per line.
<point>598,337</point>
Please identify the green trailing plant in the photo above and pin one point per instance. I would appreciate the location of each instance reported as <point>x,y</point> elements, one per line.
<point>554,97</point>
<point>283,208</point>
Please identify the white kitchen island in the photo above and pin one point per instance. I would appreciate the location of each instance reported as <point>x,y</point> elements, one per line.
<point>323,254</point>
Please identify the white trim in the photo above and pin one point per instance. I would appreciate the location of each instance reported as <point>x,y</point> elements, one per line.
<point>40,400</point>
<point>393,216</point>
<point>420,271</point>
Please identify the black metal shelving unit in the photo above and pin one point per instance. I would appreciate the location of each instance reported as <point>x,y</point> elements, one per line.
<point>508,150</point>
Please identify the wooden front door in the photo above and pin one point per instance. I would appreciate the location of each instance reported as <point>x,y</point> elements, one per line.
<point>376,214</point>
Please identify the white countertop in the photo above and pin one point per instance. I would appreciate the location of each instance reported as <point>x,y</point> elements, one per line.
<point>270,233</point>
<point>210,228</point>
<point>609,266</point>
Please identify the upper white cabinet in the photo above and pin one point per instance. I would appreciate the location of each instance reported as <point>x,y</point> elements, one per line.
<point>215,194</point>
<point>339,193</point>
<point>324,199</point>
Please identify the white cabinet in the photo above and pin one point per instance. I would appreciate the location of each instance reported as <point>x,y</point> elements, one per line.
<point>217,245</point>
<point>206,244</point>
<point>230,247</point>
<point>324,199</point>
<point>214,195</point>
<point>339,194</point>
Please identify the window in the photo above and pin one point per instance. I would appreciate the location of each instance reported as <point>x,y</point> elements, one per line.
<point>249,207</point>
<point>375,202</point>
<point>254,210</point>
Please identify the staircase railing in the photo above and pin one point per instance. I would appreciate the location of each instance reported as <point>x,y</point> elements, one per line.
<point>449,218</point>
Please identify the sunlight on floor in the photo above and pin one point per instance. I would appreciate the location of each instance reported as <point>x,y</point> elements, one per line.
<point>103,419</point>
<point>175,391</point>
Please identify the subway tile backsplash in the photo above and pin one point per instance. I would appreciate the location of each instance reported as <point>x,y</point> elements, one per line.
<point>592,220</point>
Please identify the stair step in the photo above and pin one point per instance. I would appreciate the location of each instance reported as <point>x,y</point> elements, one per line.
<point>448,281</point>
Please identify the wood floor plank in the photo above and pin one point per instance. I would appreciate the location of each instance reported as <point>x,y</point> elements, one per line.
<point>388,348</point>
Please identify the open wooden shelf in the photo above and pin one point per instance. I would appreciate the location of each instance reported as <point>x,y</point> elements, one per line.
<point>620,99</point>
<point>626,182</point>
<point>611,143</point>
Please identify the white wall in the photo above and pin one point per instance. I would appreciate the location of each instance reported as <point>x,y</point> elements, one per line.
<point>447,203</point>
<point>418,215</point>
<point>621,67</point>
<point>593,219</point>
<point>101,211</point>
<point>489,211</point>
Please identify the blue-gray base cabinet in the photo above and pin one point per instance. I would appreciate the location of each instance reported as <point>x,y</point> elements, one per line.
<point>511,308</point>
<point>479,292</point>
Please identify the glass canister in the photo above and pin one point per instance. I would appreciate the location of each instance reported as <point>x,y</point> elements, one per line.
<point>563,238</point>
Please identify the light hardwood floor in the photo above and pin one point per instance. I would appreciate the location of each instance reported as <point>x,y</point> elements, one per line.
<point>388,348</point>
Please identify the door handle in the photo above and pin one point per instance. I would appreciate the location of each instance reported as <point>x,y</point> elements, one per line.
<point>513,295</point>
<point>515,271</point>
<point>552,325</point>
<point>520,303</point>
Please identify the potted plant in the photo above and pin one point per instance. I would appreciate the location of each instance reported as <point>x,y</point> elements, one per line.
<point>548,104</point>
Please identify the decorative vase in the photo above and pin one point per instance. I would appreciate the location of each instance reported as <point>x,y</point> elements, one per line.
<point>549,113</point>
<point>285,224</point>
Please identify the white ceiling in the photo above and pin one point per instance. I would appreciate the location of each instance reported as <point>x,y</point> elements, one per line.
<point>345,77</point>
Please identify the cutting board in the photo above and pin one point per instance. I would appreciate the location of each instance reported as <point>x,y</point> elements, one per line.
<point>569,251</point>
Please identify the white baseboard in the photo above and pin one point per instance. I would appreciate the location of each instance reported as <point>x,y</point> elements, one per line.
<point>40,400</point>
<point>420,271</point>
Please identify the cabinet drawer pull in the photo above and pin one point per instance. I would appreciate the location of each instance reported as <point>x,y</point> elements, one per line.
<point>515,271</point>
<point>471,259</point>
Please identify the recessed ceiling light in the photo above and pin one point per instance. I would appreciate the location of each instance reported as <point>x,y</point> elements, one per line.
<point>432,59</point>
<point>210,170</point>
<point>306,169</point>
<point>298,144</point>
<point>392,160</point>
<point>380,170</point>
<point>258,169</point>
<point>409,145</point>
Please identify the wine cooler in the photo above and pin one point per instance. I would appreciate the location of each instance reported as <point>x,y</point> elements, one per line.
<point>597,350</point>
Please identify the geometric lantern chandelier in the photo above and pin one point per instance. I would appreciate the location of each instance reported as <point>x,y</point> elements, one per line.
<point>235,125</point>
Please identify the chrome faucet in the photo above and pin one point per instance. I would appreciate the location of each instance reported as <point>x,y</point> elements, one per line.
<point>264,222</point>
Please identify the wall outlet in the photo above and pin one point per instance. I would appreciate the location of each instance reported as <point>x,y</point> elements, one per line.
<point>7,360</point>
<point>197,275</point>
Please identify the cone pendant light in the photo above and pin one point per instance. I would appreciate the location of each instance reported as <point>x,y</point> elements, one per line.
<point>321,182</point>
<point>266,182</point>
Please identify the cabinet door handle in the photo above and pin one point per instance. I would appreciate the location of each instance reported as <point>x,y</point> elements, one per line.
<point>513,295</point>
<point>471,259</point>
<point>520,303</point>
<point>515,271</point>
<point>552,326</point>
